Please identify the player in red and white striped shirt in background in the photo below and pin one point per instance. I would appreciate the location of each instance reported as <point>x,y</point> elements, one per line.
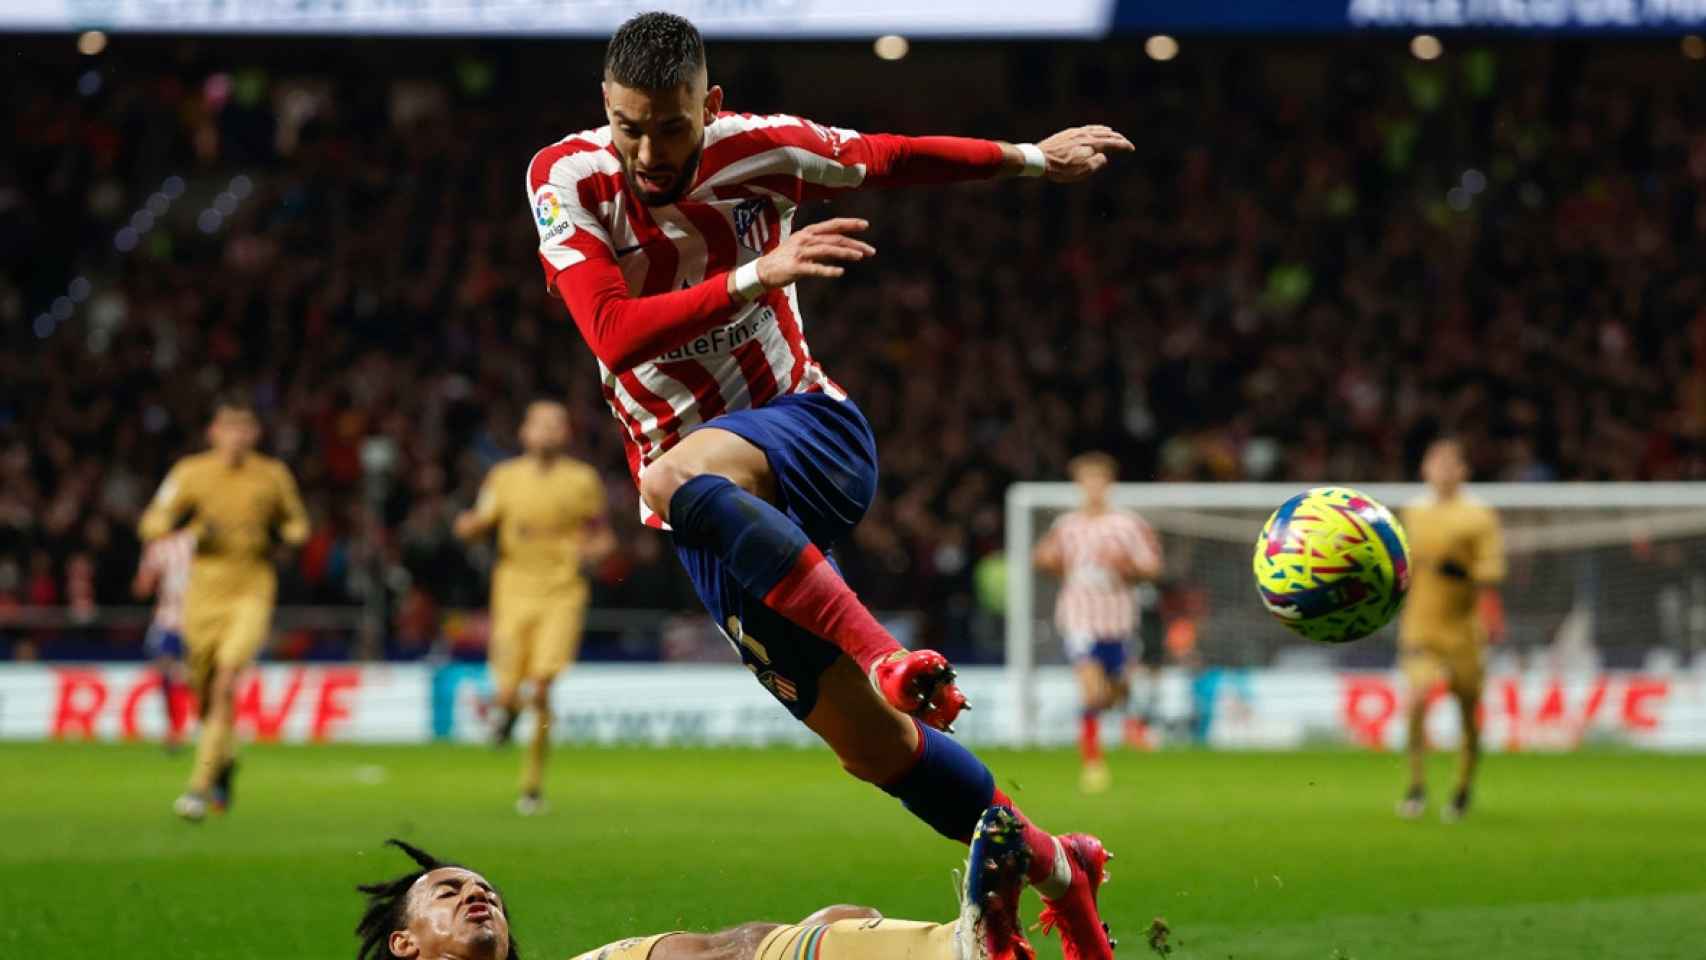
<point>1101,555</point>
<point>164,573</point>
<point>668,234</point>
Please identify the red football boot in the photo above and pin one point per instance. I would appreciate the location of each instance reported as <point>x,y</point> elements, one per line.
<point>1083,935</point>
<point>920,683</point>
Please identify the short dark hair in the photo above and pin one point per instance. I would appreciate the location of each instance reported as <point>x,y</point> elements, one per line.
<point>235,399</point>
<point>655,51</point>
<point>388,905</point>
<point>1448,439</point>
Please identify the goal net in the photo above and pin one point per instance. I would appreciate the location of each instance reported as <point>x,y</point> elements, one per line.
<point>1601,577</point>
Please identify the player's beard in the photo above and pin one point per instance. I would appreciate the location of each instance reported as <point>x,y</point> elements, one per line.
<point>677,189</point>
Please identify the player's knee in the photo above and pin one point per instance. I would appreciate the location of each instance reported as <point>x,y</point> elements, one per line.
<point>540,696</point>
<point>660,481</point>
<point>223,684</point>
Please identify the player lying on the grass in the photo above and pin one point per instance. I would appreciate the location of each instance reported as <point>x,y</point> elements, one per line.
<point>445,911</point>
<point>668,234</point>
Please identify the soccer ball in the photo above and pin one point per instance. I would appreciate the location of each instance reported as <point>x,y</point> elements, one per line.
<point>1332,564</point>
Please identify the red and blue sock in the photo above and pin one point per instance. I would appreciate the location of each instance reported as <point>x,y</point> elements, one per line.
<point>948,788</point>
<point>1090,736</point>
<point>771,557</point>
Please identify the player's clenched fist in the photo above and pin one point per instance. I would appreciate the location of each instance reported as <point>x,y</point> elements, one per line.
<point>1076,153</point>
<point>819,250</point>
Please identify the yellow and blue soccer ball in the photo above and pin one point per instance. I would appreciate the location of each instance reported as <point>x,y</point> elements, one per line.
<point>1332,564</point>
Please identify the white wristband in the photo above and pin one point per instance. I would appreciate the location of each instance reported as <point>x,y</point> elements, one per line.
<point>1035,163</point>
<point>747,285</point>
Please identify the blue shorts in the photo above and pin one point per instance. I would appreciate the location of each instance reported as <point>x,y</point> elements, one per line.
<point>1109,653</point>
<point>825,462</point>
<point>159,642</point>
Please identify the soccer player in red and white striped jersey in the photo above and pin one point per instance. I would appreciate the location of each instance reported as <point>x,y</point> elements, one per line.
<point>668,233</point>
<point>1100,554</point>
<point>164,573</point>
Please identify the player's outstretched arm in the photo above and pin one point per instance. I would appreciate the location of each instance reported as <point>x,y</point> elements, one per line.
<point>890,160</point>
<point>1072,154</point>
<point>829,160</point>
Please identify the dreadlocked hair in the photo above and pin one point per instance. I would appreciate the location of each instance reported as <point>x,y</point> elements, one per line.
<point>388,904</point>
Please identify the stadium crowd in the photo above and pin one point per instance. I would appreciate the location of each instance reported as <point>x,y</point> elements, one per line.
<point>1320,257</point>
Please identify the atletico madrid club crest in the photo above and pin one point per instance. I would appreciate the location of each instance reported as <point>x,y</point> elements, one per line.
<point>750,225</point>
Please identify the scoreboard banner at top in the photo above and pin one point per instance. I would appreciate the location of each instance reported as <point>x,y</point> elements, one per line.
<point>805,19</point>
<point>1330,16</point>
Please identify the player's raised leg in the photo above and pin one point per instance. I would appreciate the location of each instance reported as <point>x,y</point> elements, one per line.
<point>716,489</point>
<point>814,454</point>
<point>948,787</point>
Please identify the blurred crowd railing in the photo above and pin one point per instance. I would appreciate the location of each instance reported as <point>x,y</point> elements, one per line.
<point>327,633</point>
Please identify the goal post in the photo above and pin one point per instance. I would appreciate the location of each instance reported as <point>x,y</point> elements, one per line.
<point>1598,568</point>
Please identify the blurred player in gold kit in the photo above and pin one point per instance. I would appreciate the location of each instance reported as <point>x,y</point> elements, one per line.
<point>1452,611</point>
<point>548,510</point>
<point>240,503</point>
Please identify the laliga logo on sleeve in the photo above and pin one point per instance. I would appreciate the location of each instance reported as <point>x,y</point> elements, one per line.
<point>546,207</point>
<point>553,219</point>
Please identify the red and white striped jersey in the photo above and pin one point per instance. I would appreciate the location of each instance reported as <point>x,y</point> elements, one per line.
<point>168,560</point>
<point>753,174</point>
<point>1094,600</point>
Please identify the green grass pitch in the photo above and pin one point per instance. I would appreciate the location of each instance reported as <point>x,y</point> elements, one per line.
<point>1247,856</point>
